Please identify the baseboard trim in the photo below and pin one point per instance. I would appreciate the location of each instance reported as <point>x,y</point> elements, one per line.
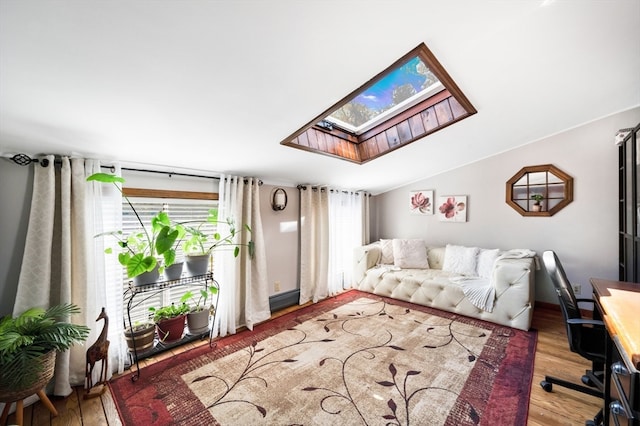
<point>284,300</point>
<point>547,305</point>
<point>555,307</point>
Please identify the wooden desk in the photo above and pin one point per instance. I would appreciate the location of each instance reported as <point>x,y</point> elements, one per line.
<point>619,305</point>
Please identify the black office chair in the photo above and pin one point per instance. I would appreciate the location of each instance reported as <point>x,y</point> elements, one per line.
<point>586,336</point>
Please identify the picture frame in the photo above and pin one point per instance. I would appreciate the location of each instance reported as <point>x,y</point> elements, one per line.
<point>421,202</point>
<point>452,208</point>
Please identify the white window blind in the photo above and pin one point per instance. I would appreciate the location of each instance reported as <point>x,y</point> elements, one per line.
<point>188,211</point>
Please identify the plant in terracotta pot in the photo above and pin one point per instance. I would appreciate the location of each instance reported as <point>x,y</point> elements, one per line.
<point>198,246</point>
<point>28,345</point>
<point>200,310</point>
<point>141,249</point>
<point>170,321</point>
<point>537,199</point>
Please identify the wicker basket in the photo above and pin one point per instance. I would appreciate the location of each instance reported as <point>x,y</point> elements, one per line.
<point>48,365</point>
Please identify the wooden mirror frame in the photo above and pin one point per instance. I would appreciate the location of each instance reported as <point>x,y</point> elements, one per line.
<point>555,186</point>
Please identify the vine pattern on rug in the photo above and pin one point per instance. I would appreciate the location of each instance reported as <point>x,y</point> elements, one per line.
<point>406,397</point>
<point>256,361</point>
<point>259,358</point>
<point>404,394</point>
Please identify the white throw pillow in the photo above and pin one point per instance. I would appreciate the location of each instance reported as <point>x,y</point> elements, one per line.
<point>386,247</point>
<point>460,259</point>
<point>410,254</point>
<point>486,260</point>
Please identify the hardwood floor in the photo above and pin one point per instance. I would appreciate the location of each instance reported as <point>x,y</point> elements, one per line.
<point>561,407</point>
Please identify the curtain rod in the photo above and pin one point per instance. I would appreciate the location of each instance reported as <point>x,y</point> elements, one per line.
<point>166,173</point>
<point>25,160</point>
<point>245,180</point>
<point>324,188</point>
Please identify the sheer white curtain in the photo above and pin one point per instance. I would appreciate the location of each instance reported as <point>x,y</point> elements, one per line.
<point>332,223</point>
<point>347,219</point>
<point>314,244</point>
<point>107,215</point>
<point>244,290</point>
<point>58,262</point>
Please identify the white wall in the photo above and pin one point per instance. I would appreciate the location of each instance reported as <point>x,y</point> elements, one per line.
<point>583,234</point>
<point>15,201</point>
<point>280,229</point>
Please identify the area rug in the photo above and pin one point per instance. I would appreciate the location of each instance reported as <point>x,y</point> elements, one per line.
<point>354,359</point>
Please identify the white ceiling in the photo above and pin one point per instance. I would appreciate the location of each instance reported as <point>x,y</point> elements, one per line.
<point>216,85</point>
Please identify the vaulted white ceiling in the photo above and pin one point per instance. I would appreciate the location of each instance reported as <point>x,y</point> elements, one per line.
<point>216,85</point>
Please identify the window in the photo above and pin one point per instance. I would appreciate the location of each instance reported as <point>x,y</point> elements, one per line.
<point>411,99</point>
<point>180,210</point>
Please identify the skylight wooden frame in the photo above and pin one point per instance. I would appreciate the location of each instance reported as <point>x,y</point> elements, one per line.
<point>428,116</point>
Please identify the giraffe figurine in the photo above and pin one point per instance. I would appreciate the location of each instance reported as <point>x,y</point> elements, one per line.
<point>99,351</point>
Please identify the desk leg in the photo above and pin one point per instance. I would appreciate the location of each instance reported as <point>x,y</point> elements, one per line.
<point>608,354</point>
<point>609,344</point>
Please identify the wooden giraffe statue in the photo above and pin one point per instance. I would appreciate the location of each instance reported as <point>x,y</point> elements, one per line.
<point>99,351</point>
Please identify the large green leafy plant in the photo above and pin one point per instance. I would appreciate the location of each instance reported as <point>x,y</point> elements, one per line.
<point>140,249</point>
<point>33,333</point>
<point>197,242</point>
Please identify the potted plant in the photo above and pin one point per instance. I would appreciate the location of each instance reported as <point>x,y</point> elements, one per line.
<point>198,246</point>
<point>140,337</point>
<point>28,345</point>
<point>537,199</point>
<point>174,271</point>
<point>140,250</point>
<point>174,266</point>
<point>170,321</point>
<point>198,316</point>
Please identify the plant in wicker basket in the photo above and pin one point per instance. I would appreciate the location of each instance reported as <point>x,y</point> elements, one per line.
<point>28,342</point>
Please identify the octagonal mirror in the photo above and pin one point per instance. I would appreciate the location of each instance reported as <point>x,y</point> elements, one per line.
<point>539,190</point>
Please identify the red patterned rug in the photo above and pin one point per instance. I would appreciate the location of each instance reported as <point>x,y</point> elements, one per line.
<point>354,359</point>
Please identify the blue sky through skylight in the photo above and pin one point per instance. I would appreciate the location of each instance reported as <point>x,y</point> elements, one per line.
<point>406,81</point>
<point>380,95</point>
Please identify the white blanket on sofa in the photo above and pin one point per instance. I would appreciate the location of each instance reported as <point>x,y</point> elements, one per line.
<point>481,291</point>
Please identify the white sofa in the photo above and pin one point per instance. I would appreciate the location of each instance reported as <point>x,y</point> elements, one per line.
<point>491,285</point>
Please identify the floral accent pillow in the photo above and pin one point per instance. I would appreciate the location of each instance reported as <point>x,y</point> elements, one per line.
<point>410,254</point>
<point>386,247</point>
<point>486,260</point>
<point>460,259</point>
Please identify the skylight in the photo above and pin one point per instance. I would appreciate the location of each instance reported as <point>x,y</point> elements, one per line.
<point>411,99</point>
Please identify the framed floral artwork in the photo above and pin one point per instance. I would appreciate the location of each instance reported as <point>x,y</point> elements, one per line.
<point>421,202</point>
<point>452,208</point>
